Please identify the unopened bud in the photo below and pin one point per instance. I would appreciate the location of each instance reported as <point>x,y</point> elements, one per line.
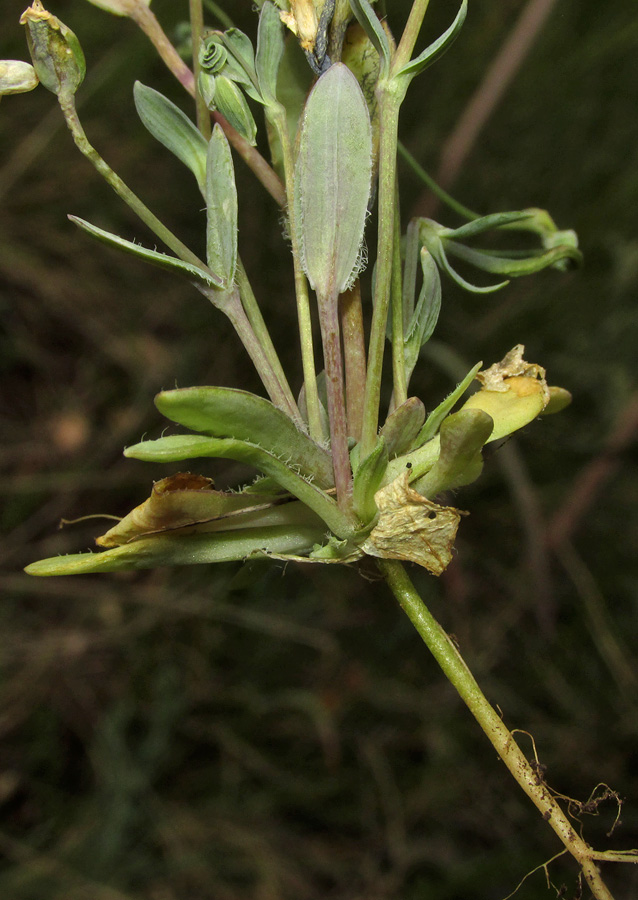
<point>56,53</point>
<point>16,77</point>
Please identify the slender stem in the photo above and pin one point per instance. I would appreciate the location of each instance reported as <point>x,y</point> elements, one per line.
<point>67,105</point>
<point>329,319</point>
<point>389,122</point>
<point>144,17</point>
<point>237,315</point>
<point>400,386</point>
<point>410,34</point>
<point>197,30</point>
<point>354,352</point>
<point>436,189</point>
<point>457,672</point>
<point>277,116</point>
<point>260,329</point>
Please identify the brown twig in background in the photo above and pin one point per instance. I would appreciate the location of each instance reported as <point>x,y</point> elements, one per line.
<point>486,97</point>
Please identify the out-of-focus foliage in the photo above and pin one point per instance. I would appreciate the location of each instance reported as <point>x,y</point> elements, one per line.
<point>234,733</point>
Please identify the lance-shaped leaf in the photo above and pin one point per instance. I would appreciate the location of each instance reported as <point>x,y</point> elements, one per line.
<point>185,550</point>
<point>463,436</point>
<point>221,209</point>
<point>332,180</point>
<point>437,248</point>
<point>426,314</point>
<point>194,274</point>
<point>515,263</point>
<point>172,128</point>
<point>270,49</point>
<point>177,448</point>
<point>230,413</point>
<point>437,48</point>
<point>436,417</point>
<point>367,481</point>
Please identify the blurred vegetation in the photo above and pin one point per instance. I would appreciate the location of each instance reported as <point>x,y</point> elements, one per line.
<point>228,733</point>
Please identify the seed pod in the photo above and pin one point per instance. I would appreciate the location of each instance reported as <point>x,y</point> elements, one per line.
<point>56,53</point>
<point>16,77</point>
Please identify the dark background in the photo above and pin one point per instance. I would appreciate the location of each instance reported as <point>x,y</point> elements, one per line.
<point>272,732</point>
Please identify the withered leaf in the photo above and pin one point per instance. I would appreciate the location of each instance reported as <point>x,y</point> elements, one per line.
<point>177,502</point>
<point>413,528</point>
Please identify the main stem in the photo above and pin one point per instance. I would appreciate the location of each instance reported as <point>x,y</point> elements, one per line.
<point>457,672</point>
<point>329,319</point>
<point>389,124</point>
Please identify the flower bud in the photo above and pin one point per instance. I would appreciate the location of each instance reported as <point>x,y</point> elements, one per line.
<point>16,77</point>
<point>56,53</point>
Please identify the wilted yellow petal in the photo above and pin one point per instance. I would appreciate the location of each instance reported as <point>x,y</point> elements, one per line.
<point>413,528</point>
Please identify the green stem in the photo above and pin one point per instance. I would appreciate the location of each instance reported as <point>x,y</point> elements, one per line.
<point>260,329</point>
<point>457,672</point>
<point>388,123</point>
<point>354,351</point>
<point>67,105</point>
<point>147,21</point>
<point>436,189</point>
<point>197,30</point>
<point>277,116</point>
<point>410,35</point>
<point>400,386</point>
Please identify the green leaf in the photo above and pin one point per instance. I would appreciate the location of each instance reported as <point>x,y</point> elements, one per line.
<point>221,207</point>
<point>176,448</point>
<point>332,180</point>
<point>370,23</point>
<point>230,413</point>
<point>437,48</point>
<point>367,481</point>
<point>486,223</point>
<point>232,104</point>
<point>426,314</point>
<point>436,417</point>
<point>463,436</point>
<point>436,248</point>
<point>402,426</point>
<point>185,550</point>
<point>172,128</point>
<point>171,263</point>
<point>270,49</point>
<point>515,264</point>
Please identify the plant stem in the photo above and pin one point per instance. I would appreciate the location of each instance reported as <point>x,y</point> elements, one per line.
<point>329,319</point>
<point>351,315</point>
<point>144,17</point>
<point>197,30</point>
<point>67,105</point>
<point>277,116</point>
<point>277,393</point>
<point>457,672</point>
<point>410,34</point>
<point>389,121</point>
<point>260,329</point>
<point>436,189</point>
<point>400,387</point>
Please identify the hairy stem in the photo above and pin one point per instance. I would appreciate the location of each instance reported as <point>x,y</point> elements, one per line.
<point>69,111</point>
<point>399,381</point>
<point>457,672</point>
<point>277,116</point>
<point>351,315</point>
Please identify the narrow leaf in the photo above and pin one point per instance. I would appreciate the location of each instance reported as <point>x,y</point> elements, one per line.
<point>486,223</point>
<point>426,314</point>
<point>172,128</point>
<point>176,448</point>
<point>185,550</point>
<point>402,426</point>
<point>438,47</point>
<point>332,180</point>
<point>230,413</point>
<point>232,104</point>
<point>270,49</point>
<point>436,417</point>
<point>192,273</point>
<point>367,481</point>
<point>221,208</point>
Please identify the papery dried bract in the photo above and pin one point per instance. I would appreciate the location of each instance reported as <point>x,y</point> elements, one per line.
<point>412,528</point>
